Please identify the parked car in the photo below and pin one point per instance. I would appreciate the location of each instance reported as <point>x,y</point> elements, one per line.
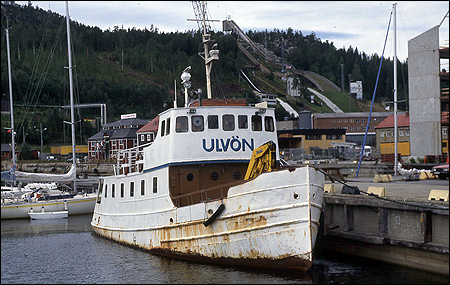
<point>441,171</point>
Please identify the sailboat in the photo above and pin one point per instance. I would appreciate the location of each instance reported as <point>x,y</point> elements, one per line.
<point>17,207</point>
<point>210,187</point>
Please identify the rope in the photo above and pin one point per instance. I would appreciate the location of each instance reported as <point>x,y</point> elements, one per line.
<point>382,198</point>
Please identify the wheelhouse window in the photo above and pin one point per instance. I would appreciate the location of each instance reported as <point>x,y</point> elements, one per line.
<point>113,191</point>
<point>242,122</point>
<point>182,124</point>
<point>256,123</point>
<point>197,123</point>
<point>106,190</point>
<point>168,126</point>
<point>228,122</point>
<point>122,190</point>
<point>268,124</point>
<point>213,122</point>
<point>142,187</point>
<point>163,128</point>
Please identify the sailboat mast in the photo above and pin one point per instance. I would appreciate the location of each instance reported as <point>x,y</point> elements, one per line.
<point>72,118</point>
<point>13,144</point>
<point>395,91</point>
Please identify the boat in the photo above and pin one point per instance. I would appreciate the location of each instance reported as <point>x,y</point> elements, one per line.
<point>16,204</point>
<point>211,188</point>
<point>44,215</point>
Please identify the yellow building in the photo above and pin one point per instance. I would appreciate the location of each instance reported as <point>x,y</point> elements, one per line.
<point>309,139</point>
<point>66,150</point>
<point>386,137</point>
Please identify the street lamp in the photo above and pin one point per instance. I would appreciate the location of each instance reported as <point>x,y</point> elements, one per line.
<point>42,141</point>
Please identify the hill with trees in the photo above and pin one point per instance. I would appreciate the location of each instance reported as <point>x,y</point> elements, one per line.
<point>134,71</point>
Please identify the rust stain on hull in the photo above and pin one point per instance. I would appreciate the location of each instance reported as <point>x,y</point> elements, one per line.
<point>187,240</point>
<point>288,263</point>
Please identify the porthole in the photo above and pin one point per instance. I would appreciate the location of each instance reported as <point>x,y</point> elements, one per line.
<point>210,211</point>
<point>237,175</point>
<point>214,176</point>
<point>190,177</point>
<point>296,196</point>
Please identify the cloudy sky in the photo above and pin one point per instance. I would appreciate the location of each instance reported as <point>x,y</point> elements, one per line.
<point>360,24</point>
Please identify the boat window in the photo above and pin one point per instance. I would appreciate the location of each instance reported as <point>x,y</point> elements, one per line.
<point>228,122</point>
<point>242,122</point>
<point>182,124</point>
<point>113,191</point>
<point>122,190</point>
<point>106,190</point>
<point>155,184</point>
<point>268,124</point>
<point>214,176</point>
<point>237,175</point>
<point>197,123</point>
<point>132,189</point>
<point>142,187</point>
<point>163,128</point>
<point>256,123</point>
<point>168,126</point>
<point>213,122</point>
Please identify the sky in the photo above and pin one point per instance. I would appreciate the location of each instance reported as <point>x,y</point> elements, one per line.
<point>359,24</point>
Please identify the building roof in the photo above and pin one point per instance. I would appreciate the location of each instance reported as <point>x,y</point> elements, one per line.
<point>151,126</point>
<point>351,115</point>
<point>124,123</point>
<point>402,121</point>
<point>313,132</point>
<point>114,134</point>
<point>6,147</point>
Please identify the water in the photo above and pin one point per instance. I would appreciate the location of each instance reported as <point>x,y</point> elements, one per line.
<point>67,251</point>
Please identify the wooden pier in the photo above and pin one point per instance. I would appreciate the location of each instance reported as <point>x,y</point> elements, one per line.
<point>400,226</point>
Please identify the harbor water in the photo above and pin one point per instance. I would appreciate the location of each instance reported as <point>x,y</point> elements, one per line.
<point>67,251</point>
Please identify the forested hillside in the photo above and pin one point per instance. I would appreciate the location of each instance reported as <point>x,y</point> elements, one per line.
<point>134,71</point>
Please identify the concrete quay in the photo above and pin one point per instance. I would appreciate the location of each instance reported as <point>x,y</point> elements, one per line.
<point>403,228</point>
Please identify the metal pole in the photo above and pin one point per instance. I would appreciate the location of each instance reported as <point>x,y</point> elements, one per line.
<point>13,144</point>
<point>41,139</point>
<point>72,116</point>
<point>395,92</point>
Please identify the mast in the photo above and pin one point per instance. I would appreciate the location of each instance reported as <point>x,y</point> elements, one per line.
<point>13,144</point>
<point>72,118</point>
<point>209,55</point>
<point>395,91</point>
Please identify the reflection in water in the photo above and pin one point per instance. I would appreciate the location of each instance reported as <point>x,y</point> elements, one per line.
<point>67,251</point>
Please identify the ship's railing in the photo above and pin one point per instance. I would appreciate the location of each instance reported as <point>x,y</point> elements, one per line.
<point>130,160</point>
<point>204,195</point>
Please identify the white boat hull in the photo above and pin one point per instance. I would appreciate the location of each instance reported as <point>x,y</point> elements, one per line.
<point>49,215</point>
<point>80,204</point>
<point>271,221</point>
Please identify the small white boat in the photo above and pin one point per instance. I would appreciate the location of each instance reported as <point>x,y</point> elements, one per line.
<point>48,215</point>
